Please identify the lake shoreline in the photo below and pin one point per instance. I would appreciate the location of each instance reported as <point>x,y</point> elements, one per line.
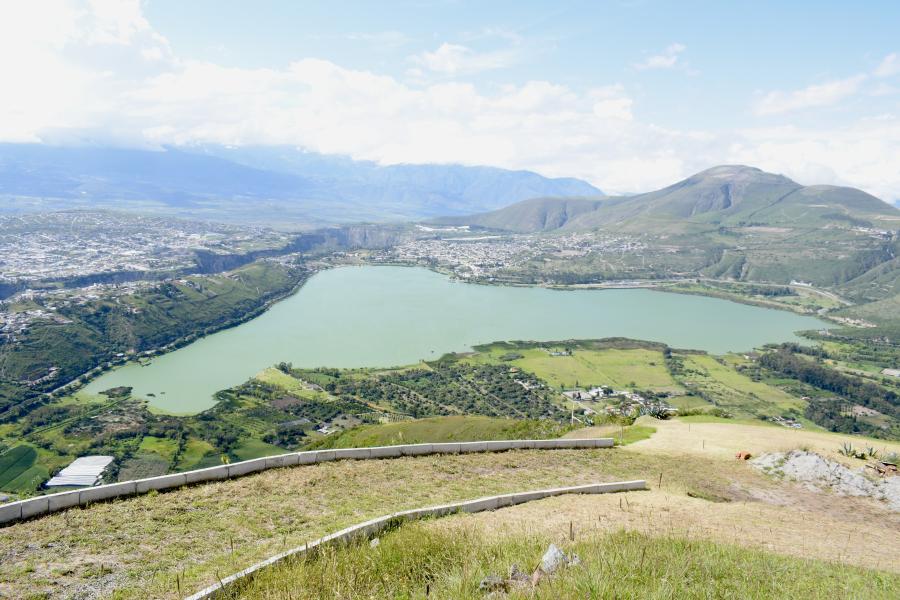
<point>349,329</point>
<point>73,387</point>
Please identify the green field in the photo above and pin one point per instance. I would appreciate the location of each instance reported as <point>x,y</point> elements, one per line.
<point>164,447</point>
<point>18,470</point>
<point>255,449</point>
<point>617,368</point>
<point>194,452</point>
<point>734,391</point>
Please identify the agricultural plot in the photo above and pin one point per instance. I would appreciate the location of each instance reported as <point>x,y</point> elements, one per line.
<point>729,389</point>
<point>18,470</point>
<point>617,368</point>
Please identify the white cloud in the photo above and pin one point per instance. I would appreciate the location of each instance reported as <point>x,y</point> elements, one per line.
<point>890,65</point>
<point>831,92</point>
<point>668,59</point>
<point>863,154</point>
<point>63,80</point>
<point>813,96</point>
<point>454,59</point>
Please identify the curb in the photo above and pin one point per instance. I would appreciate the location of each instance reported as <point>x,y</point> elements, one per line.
<point>44,505</point>
<point>375,526</point>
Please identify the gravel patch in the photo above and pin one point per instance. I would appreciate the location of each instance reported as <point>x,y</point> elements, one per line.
<point>817,473</point>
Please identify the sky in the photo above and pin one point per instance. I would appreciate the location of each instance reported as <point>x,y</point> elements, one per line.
<point>630,95</point>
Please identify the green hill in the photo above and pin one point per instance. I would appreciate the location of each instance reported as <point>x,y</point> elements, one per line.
<point>730,196</point>
<point>536,214</point>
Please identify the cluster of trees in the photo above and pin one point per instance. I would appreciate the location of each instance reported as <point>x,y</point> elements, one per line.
<point>832,414</point>
<point>835,414</point>
<point>818,375</point>
<point>450,387</point>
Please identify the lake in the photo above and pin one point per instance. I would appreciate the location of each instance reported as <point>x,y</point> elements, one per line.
<point>387,316</point>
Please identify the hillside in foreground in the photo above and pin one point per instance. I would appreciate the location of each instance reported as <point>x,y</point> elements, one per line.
<point>505,550</point>
<point>149,546</point>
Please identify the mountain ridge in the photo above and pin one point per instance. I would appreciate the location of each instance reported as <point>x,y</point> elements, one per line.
<point>221,182</point>
<point>725,196</point>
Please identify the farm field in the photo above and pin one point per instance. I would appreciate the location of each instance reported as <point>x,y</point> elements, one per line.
<point>617,368</point>
<point>18,470</point>
<point>733,390</point>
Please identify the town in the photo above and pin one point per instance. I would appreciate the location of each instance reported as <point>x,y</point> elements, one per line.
<point>76,244</point>
<point>477,256</point>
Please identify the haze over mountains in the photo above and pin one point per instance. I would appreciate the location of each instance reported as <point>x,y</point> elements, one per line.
<point>260,184</point>
<point>728,196</point>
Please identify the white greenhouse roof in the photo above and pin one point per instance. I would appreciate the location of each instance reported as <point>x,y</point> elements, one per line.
<point>83,471</point>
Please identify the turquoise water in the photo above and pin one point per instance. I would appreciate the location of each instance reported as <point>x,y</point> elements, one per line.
<point>386,316</point>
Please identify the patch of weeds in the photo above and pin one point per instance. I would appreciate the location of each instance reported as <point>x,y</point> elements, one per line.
<point>707,495</point>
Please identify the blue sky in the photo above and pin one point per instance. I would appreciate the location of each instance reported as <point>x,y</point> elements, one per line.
<point>732,50</point>
<point>629,95</point>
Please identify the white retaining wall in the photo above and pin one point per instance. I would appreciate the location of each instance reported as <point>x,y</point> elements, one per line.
<point>375,526</point>
<point>42,505</point>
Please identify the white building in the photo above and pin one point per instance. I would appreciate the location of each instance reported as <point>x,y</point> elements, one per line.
<point>84,471</point>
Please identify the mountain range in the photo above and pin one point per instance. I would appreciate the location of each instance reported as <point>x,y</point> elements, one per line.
<point>267,184</point>
<point>725,196</point>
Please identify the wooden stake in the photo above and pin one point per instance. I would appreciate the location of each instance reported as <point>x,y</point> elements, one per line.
<point>571,532</point>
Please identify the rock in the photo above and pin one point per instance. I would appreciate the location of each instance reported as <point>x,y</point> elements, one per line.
<point>517,574</point>
<point>492,583</point>
<point>374,543</point>
<point>553,559</point>
<point>816,473</point>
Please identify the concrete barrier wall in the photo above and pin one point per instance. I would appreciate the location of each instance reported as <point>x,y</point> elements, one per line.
<point>375,526</point>
<point>42,505</point>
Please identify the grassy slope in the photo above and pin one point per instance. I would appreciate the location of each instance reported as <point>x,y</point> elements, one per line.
<point>452,559</point>
<point>191,530</point>
<point>442,429</point>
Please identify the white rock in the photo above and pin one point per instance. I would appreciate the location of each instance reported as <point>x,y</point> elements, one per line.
<point>553,559</point>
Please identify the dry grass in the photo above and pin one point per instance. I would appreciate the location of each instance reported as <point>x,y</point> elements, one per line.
<point>723,440</point>
<point>142,543</point>
<point>850,533</point>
